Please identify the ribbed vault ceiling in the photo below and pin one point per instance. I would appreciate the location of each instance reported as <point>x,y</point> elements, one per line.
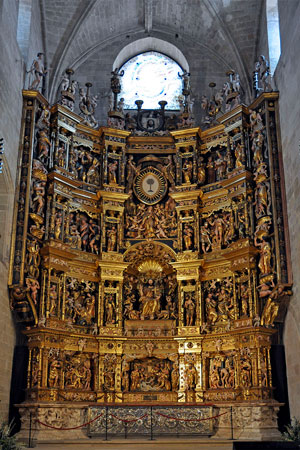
<point>213,35</point>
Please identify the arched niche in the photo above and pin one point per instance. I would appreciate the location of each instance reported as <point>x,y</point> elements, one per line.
<point>150,289</point>
<point>148,44</point>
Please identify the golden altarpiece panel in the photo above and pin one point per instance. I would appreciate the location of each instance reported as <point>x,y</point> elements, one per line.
<point>149,268</point>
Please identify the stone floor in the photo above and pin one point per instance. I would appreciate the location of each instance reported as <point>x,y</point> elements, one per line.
<point>131,444</point>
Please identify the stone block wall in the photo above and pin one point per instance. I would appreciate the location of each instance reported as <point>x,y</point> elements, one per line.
<point>286,77</point>
<point>12,71</point>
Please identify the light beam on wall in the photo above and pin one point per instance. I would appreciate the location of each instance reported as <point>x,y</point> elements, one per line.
<point>273,33</point>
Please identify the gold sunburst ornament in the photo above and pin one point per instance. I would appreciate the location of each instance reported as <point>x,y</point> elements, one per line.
<point>150,186</point>
<point>150,265</point>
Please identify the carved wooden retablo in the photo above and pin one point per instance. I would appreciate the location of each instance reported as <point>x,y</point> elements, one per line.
<point>149,268</point>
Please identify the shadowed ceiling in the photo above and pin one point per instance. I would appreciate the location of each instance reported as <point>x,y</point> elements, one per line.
<point>213,35</point>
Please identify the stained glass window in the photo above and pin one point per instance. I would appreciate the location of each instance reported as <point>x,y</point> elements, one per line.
<point>151,77</point>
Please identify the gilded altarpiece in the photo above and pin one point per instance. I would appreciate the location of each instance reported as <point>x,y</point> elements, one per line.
<point>149,268</point>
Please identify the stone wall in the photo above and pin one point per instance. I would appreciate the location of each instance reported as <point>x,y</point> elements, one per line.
<point>287,75</point>
<point>262,35</point>
<point>11,83</point>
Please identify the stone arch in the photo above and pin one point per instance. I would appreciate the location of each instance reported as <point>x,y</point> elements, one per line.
<point>150,44</point>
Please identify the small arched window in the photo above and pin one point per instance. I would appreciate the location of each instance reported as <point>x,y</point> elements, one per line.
<point>273,33</point>
<point>151,77</point>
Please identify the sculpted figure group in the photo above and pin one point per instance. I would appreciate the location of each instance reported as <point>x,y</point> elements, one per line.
<point>80,303</point>
<point>84,232</point>
<point>84,165</point>
<point>150,374</point>
<point>219,302</point>
<point>158,221</point>
<point>219,230</point>
<point>149,298</point>
<point>221,374</point>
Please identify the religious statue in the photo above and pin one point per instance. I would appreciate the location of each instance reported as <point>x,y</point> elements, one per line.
<point>33,258</point>
<point>256,122</point>
<point>189,306</point>
<point>257,145</point>
<point>211,311</point>
<point>185,76</point>
<point>168,170</point>
<point>85,315</point>
<point>120,106</point>
<point>149,300</point>
<point>149,223</point>
<point>39,197</point>
<point>220,166</point>
<point>211,173</point>
<point>218,225</point>
<point>60,156</point>
<point>57,225</point>
<point>229,307</point>
<point>244,300</point>
<point>110,309</point>
<point>92,175</point>
<point>129,312</point>
<point>38,71</point>
<point>229,227</point>
<point>264,74</point>
<point>88,105</point>
<point>94,237</point>
<point>187,169</point>
<point>84,231</point>
<point>125,376</point>
<point>246,368</point>
<point>171,308</point>
<point>214,377</point>
<point>152,221</point>
<point>112,172</point>
<point>263,372</point>
<point>135,378</point>
<point>262,204</point>
<point>74,237</point>
<point>132,171</point>
<point>188,234</point>
<point>205,237</point>
<point>111,234</point>
<point>54,374</point>
<point>43,146</point>
<point>33,286</point>
<point>109,373</point>
<point>53,300</point>
<point>175,377</point>
<point>239,156</point>
<point>201,170</point>
<point>191,377</point>
<point>265,252</point>
<point>115,80</point>
<point>35,370</point>
<point>236,86</point>
<point>227,375</point>
<point>269,313</point>
<point>223,299</point>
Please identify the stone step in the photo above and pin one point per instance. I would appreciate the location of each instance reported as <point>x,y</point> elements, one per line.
<point>137,444</point>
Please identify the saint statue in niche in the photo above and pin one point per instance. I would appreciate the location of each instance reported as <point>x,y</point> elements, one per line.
<point>150,300</point>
